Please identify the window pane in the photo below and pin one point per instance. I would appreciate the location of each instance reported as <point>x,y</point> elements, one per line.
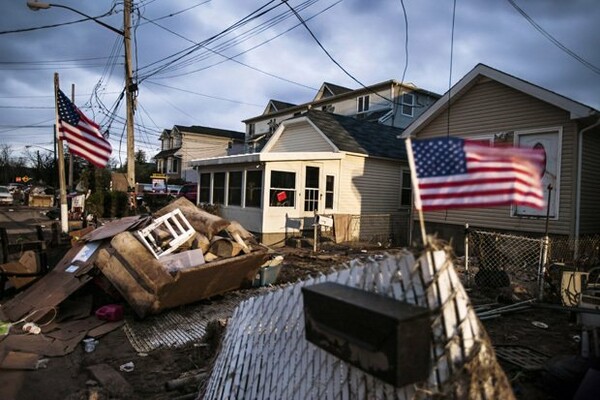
<point>234,194</point>
<point>329,180</point>
<point>406,194</point>
<point>408,100</point>
<point>283,185</point>
<point>219,188</point>
<point>205,188</point>
<point>253,188</point>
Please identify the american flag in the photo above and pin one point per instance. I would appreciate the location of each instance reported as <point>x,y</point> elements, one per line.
<point>81,133</point>
<point>458,173</point>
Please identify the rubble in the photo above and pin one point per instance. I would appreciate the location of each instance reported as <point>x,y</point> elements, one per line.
<point>178,256</point>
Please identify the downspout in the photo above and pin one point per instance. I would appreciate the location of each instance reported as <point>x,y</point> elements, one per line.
<point>578,183</point>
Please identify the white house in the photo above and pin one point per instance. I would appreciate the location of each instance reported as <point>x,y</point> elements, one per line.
<point>181,144</point>
<point>315,162</point>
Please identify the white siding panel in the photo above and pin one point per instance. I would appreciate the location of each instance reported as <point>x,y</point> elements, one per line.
<point>301,138</point>
<point>490,107</point>
<point>369,186</point>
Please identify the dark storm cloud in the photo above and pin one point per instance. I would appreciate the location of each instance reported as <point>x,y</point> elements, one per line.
<point>365,37</point>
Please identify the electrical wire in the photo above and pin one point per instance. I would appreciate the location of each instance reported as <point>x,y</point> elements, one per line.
<point>234,60</point>
<point>553,40</point>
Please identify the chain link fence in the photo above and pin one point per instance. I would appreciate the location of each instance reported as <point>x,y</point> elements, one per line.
<point>494,260</point>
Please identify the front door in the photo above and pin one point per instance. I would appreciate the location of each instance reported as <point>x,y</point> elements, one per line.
<point>311,189</point>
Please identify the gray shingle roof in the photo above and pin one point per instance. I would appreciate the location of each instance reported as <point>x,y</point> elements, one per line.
<point>205,130</point>
<point>362,137</point>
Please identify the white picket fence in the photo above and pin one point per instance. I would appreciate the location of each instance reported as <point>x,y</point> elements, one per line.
<point>265,354</point>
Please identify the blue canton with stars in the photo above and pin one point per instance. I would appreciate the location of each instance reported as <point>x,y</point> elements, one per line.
<point>439,157</point>
<point>66,110</point>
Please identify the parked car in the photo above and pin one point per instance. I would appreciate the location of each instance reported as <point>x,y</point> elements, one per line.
<point>189,191</point>
<point>6,197</point>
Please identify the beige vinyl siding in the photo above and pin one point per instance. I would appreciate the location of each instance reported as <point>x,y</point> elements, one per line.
<point>590,183</point>
<point>369,186</point>
<point>301,138</point>
<point>490,107</point>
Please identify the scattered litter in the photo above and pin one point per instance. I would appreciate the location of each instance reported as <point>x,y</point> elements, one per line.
<point>127,367</point>
<point>89,344</point>
<point>32,327</point>
<point>539,324</point>
<point>522,356</point>
<point>142,354</point>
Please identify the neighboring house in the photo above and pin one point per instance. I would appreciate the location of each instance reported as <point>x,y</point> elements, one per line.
<point>314,162</point>
<point>181,144</point>
<point>390,103</point>
<point>491,106</point>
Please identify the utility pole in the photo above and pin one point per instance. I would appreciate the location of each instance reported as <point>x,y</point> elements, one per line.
<point>64,217</point>
<point>130,89</point>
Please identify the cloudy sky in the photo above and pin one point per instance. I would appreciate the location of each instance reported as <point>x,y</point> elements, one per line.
<point>217,62</point>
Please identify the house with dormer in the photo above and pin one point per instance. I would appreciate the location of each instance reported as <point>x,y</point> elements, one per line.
<point>390,103</point>
<point>316,162</point>
<point>181,144</point>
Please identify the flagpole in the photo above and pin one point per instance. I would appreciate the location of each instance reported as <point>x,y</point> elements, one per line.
<point>415,185</point>
<point>64,217</point>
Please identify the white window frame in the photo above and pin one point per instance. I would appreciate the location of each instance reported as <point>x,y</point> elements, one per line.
<point>411,104</point>
<point>556,190</point>
<point>360,103</point>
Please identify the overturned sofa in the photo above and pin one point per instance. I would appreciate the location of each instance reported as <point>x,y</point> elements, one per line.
<point>203,266</point>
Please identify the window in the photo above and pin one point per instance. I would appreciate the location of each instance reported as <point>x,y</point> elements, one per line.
<point>329,181</point>
<point>234,189</point>
<point>406,189</point>
<point>283,189</point>
<point>205,188</point>
<point>408,102</point>
<point>174,165</point>
<point>362,104</point>
<point>251,130</point>
<point>218,188</point>
<point>253,188</point>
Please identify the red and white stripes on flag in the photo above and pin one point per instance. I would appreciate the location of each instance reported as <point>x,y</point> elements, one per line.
<point>81,133</point>
<point>457,173</point>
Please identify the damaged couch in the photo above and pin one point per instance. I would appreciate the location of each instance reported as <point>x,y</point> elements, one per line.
<point>178,260</point>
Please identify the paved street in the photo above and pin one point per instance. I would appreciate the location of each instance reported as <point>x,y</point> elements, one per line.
<point>21,220</point>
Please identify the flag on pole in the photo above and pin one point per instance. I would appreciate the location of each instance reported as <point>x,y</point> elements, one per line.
<point>81,133</point>
<point>458,173</point>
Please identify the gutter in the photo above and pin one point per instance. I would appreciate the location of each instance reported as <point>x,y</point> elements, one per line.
<point>578,181</point>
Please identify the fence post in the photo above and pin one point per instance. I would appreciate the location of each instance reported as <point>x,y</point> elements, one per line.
<point>542,268</point>
<point>315,225</point>
<point>468,280</point>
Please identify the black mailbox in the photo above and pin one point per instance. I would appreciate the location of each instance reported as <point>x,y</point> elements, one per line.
<point>386,338</point>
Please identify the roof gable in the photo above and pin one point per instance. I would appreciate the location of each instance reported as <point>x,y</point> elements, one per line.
<point>329,90</point>
<point>276,105</point>
<point>575,109</point>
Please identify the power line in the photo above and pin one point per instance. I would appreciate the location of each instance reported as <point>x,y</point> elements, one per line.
<point>205,95</point>
<point>234,60</point>
<point>554,41</point>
